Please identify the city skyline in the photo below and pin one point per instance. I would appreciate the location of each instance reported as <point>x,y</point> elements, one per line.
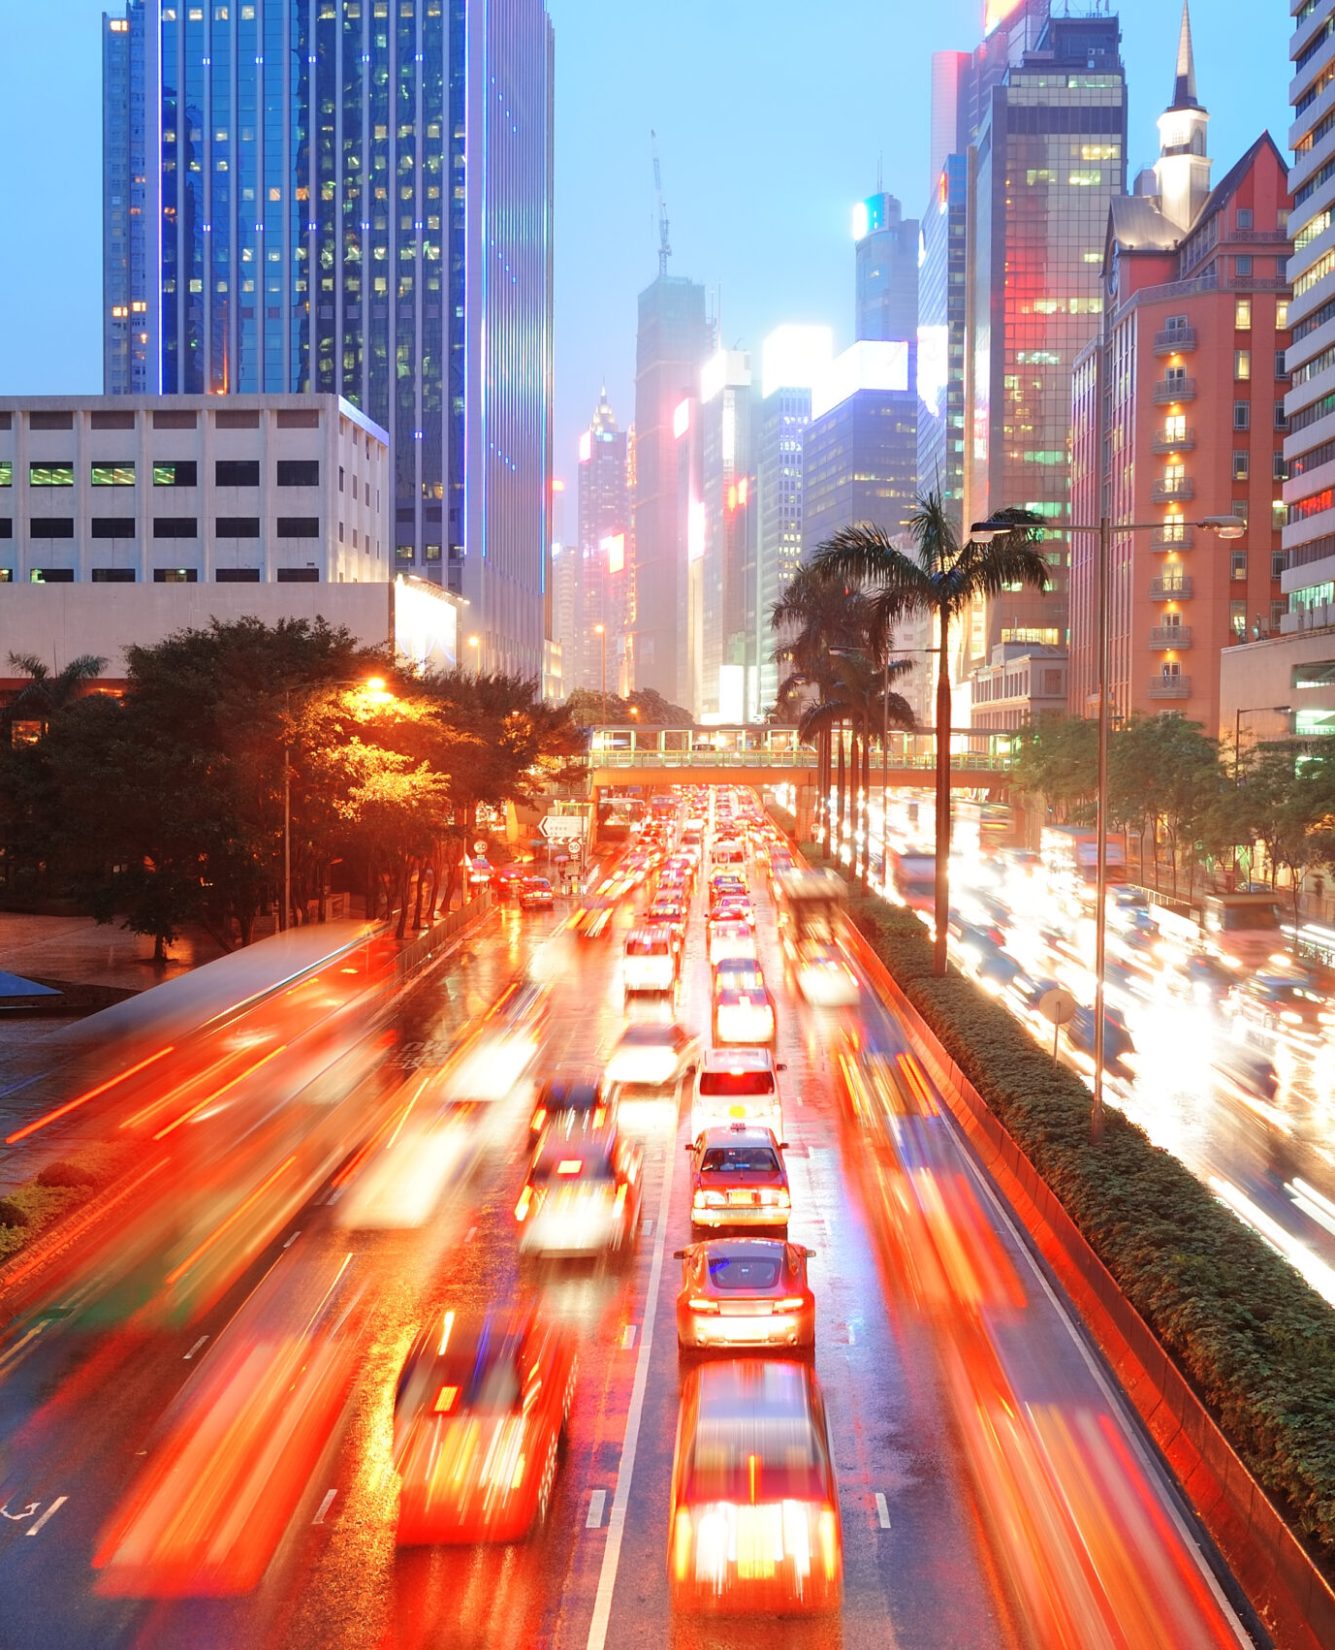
<point>727,228</point>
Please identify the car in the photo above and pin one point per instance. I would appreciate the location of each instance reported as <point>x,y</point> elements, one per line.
<point>1119,1049</point>
<point>582,1193</point>
<point>571,1095</point>
<point>824,977</point>
<point>753,1520</point>
<point>743,1010</point>
<point>728,851</point>
<point>736,908</point>
<point>479,1411</point>
<point>747,1292</point>
<point>535,894</point>
<point>650,959</point>
<point>652,1055</point>
<point>737,1085</point>
<point>738,1177</point>
<point>730,939</point>
<point>1288,1005</point>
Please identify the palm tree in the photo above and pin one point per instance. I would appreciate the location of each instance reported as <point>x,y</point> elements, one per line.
<point>45,693</point>
<point>861,693</point>
<point>944,578</point>
<point>817,613</point>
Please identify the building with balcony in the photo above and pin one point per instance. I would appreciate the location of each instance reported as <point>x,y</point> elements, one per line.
<point>1178,415</point>
<point>1021,681</point>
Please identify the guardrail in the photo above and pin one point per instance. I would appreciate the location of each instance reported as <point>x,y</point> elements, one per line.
<point>417,951</point>
<point>972,760</point>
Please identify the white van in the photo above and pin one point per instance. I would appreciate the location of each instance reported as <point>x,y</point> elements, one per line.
<point>650,960</point>
<point>737,1085</point>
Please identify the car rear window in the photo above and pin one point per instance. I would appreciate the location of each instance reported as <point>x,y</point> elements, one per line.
<point>739,1160</point>
<point>744,1271</point>
<point>655,945</point>
<point>749,1458</point>
<point>573,1168</point>
<point>737,1082</point>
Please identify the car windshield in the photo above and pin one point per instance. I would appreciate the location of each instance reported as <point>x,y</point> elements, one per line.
<point>739,1160</point>
<point>729,977</point>
<point>647,945</point>
<point>750,1272</point>
<point>467,1379</point>
<point>570,1096</point>
<point>737,1082</point>
<point>750,1458</point>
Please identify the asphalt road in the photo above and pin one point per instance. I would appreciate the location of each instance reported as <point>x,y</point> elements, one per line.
<point>994,1490</point>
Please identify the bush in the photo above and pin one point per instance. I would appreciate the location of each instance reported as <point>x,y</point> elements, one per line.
<point>1254,1340</point>
<point>64,1173</point>
<point>11,1214</point>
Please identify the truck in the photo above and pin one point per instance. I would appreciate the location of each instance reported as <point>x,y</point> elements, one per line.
<point>1070,858</point>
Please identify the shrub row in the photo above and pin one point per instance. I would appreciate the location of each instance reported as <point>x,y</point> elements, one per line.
<point>55,1190</point>
<point>1255,1341</point>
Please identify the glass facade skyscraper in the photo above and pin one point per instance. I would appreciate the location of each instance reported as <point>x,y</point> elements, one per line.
<point>354,195</point>
<point>941,335</point>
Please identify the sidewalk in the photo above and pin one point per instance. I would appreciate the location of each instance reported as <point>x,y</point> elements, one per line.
<point>79,951</point>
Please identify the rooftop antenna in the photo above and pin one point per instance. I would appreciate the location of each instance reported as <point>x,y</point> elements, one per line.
<point>664,245</point>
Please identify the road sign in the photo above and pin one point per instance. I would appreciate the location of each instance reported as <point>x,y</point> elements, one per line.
<point>479,847</point>
<point>562,827</point>
<point>1057,1006</point>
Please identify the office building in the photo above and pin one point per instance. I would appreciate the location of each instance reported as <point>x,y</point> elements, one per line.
<point>1308,659</point>
<point>885,271</point>
<point>727,685</point>
<point>1047,160</point>
<point>859,452</point>
<point>252,489</point>
<point>942,335</point>
<point>591,589</point>
<point>792,358</point>
<point>1178,415</point>
<point>672,342</point>
<point>354,199</point>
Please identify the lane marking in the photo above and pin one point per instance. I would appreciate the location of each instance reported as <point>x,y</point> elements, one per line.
<point>616,1528</point>
<point>50,1512</point>
<point>852,1335</point>
<point>324,1506</point>
<point>292,1239</point>
<point>18,1346</point>
<point>470,1234</point>
<point>628,1336</point>
<point>882,1510</point>
<point>195,1348</point>
<point>597,1501</point>
<point>648,1227</point>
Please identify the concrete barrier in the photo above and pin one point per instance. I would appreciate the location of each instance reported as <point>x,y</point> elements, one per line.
<point>1282,1582</point>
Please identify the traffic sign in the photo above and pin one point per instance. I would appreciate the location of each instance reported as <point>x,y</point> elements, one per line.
<point>562,827</point>
<point>1057,1006</point>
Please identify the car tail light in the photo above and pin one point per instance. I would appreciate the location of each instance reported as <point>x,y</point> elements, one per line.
<point>525,1203</point>
<point>568,1167</point>
<point>776,1197</point>
<point>539,1117</point>
<point>827,1534</point>
<point>599,1114</point>
<point>681,1544</point>
<point>708,1200</point>
<point>790,1303</point>
<point>619,1203</point>
<point>700,1303</point>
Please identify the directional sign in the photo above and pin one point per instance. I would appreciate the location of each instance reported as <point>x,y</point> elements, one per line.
<point>562,827</point>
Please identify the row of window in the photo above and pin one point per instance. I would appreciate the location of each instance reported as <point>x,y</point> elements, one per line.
<point>227,472</point>
<point>165,527</point>
<point>165,575</point>
<point>174,418</point>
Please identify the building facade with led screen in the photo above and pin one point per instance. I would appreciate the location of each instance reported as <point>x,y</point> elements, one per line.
<point>1048,157</point>
<point>353,197</point>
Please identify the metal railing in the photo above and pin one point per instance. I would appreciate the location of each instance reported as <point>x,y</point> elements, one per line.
<point>1175,389</point>
<point>1163,539</point>
<point>1173,487</point>
<point>1163,590</point>
<point>1174,338</point>
<point>1165,443</point>
<point>1170,635</point>
<point>1170,687</point>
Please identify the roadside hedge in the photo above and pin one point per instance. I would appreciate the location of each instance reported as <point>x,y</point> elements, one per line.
<point>1255,1341</point>
<point>63,1185</point>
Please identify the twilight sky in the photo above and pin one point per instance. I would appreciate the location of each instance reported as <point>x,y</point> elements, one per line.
<point>771,116</point>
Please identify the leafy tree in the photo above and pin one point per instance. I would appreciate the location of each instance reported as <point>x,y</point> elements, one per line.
<point>1287,797</point>
<point>1057,758</point>
<point>1163,774</point>
<point>944,578</point>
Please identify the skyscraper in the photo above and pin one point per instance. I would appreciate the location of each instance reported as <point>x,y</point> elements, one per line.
<point>941,335</point>
<point>886,270</point>
<point>594,566</point>
<point>791,359</point>
<point>357,198</point>
<point>859,452</point>
<point>672,341</point>
<point>1047,159</point>
<point>727,688</point>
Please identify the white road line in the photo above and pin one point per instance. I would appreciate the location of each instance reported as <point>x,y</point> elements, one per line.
<point>882,1510</point>
<point>292,1239</point>
<point>335,1194</point>
<point>324,1506</point>
<point>607,1576</point>
<point>195,1348</point>
<point>648,1228</point>
<point>50,1512</point>
<point>628,1336</point>
<point>597,1501</point>
<point>18,1346</point>
<point>852,1335</point>
<point>470,1234</point>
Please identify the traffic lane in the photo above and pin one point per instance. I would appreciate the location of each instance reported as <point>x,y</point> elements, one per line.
<point>356,1588</point>
<point>911,1576</point>
<point>125,1378</point>
<point>1080,1518</point>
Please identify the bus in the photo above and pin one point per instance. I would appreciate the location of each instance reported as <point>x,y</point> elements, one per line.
<point>1070,858</point>
<point>913,877</point>
<point>1244,929</point>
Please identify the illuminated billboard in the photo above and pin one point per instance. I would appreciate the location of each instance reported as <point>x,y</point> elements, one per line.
<point>793,357</point>
<point>870,364</point>
<point>614,548</point>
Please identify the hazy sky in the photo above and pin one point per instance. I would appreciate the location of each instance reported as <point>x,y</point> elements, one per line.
<point>771,117</point>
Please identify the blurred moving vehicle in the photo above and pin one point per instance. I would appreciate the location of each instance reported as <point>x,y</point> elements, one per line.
<point>239,1446</point>
<point>650,960</point>
<point>737,1085</point>
<point>730,939</point>
<point>1244,929</point>
<point>913,878</point>
<point>569,1098</point>
<point>754,1514</point>
<point>501,1049</point>
<point>743,1009</point>
<point>479,1410</point>
<point>582,1195</point>
<point>1282,1005</point>
<point>738,1178</point>
<point>748,1292</point>
<point>824,977</point>
<point>652,1055</point>
<point>535,894</point>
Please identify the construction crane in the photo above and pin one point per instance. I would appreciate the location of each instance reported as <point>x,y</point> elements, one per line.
<point>664,245</point>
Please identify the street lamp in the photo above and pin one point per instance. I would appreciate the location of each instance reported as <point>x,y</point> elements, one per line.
<point>600,630</point>
<point>1227,527</point>
<point>475,642</point>
<point>1251,710</point>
